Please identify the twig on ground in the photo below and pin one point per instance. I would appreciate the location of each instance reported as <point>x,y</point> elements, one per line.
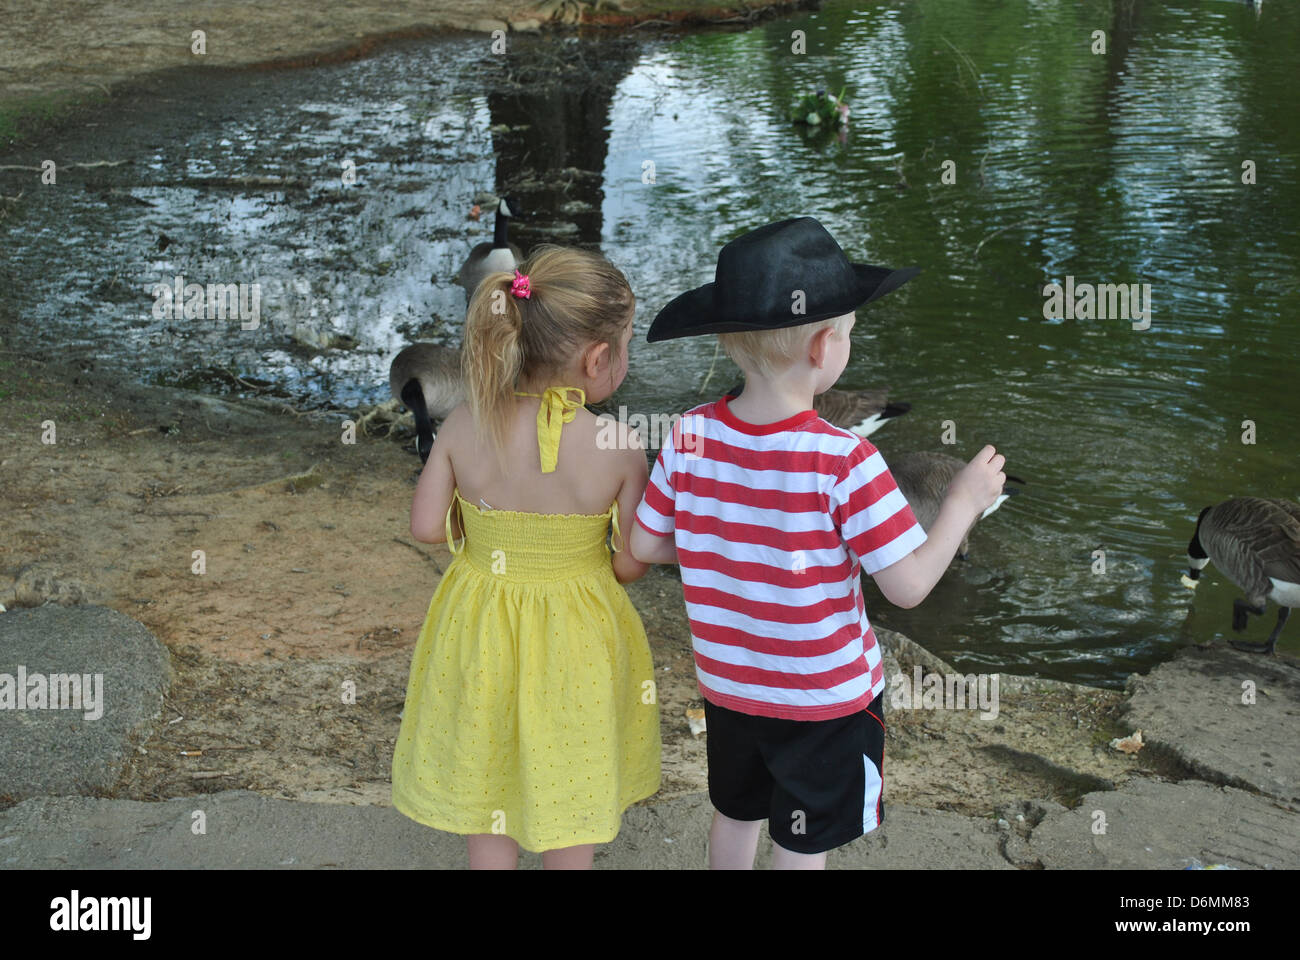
<point>424,555</point>
<point>66,166</point>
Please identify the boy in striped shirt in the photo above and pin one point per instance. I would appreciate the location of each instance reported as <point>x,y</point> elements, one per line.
<point>772,513</point>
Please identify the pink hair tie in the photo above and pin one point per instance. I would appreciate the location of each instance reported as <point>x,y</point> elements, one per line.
<point>519,286</point>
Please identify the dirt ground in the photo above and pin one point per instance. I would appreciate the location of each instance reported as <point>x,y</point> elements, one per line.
<point>312,579</point>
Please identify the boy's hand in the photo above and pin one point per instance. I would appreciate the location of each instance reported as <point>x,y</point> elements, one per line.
<point>908,582</point>
<point>980,482</point>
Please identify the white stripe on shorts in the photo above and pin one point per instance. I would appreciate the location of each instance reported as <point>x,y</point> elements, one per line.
<point>871,795</point>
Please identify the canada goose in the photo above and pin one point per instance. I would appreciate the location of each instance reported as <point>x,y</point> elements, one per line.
<point>1255,543</point>
<point>487,258</point>
<point>859,411</point>
<point>923,479</point>
<point>427,378</point>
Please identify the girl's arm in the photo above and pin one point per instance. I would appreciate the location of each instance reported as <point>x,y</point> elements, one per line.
<point>437,483</point>
<point>631,454</point>
<point>652,548</point>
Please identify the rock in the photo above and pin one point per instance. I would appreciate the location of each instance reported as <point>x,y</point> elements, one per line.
<point>1027,813</point>
<point>910,653</point>
<point>526,26</point>
<point>1193,718</point>
<point>258,832</point>
<point>1019,853</point>
<point>893,671</point>
<point>485,25</point>
<point>1155,825</point>
<point>121,673</point>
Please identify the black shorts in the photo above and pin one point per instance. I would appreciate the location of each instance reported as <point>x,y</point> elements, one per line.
<point>818,783</point>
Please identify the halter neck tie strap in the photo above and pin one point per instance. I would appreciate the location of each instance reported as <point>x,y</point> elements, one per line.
<point>559,406</point>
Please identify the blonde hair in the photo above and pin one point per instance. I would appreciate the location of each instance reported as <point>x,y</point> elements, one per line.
<point>578,298</point>
<point>770,352</point>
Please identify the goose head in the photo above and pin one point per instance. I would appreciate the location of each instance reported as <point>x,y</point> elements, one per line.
<point>507,207</point>
<point>1197,558</point>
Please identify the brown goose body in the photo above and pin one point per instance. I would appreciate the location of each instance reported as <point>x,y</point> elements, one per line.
<point>487,258</point>
<point>426,377</point>
<point>924,478</point>
<point>859,411</point>
<point>1255,543</point>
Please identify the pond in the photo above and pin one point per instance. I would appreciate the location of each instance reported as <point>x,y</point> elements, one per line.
<point>1117,166</point>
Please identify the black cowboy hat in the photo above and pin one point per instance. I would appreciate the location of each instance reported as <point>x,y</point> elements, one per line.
<point>759,276</point>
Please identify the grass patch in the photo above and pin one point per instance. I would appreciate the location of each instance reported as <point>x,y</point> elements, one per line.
<point>23,120</point>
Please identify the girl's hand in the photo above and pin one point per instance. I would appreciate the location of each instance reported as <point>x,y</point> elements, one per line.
<point>635,473</point>
<point>649,548</point>
<point>980,482</point>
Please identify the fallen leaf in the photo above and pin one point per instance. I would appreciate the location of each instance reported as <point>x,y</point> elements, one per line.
<point>696,719</point>
<point>1130,744</point>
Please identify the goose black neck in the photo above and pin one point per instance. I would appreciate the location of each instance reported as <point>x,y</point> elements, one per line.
<point>499,231</point>
<point>1194,549</point>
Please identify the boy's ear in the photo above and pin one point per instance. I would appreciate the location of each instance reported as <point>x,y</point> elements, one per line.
<point>819,345</point>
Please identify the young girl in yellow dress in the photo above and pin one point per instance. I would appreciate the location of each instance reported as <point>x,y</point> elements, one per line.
<point>531,718</point>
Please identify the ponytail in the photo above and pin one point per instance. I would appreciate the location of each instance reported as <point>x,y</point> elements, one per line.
<point>493,356</point>
<point>577,298</point>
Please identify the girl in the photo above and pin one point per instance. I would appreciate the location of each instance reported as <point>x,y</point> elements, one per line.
<point>530,717</point>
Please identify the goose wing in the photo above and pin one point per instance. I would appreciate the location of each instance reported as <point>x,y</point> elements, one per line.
<point>472,270</point>
<point>436,368</point>
<point>924,478</point>
<point>1244,537</point>
<point>1282,554</point>
<point>844,408</point>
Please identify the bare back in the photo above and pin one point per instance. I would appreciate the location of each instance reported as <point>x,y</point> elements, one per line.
<point>586,479</point>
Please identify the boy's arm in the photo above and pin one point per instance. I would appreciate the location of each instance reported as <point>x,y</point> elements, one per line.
<point>910,580</point>
<point>627,565</point>
<point>653,534</point>
<point>434,490</point>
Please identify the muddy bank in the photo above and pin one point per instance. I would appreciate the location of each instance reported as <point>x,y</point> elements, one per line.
<point>312,578</point>
<point>63,59</point>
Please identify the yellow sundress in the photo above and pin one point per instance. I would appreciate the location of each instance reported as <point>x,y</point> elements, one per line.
<point>531,707</point>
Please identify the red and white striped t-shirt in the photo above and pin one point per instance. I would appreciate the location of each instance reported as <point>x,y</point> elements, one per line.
<point>772,525</point>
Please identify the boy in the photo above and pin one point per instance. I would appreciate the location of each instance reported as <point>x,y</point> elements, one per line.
<point>771,513</point>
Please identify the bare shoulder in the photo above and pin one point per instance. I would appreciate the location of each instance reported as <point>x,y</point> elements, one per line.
<point>623,436</point>
<point>458,418</point>
<point>458,426</point>
<point>610,442</point>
